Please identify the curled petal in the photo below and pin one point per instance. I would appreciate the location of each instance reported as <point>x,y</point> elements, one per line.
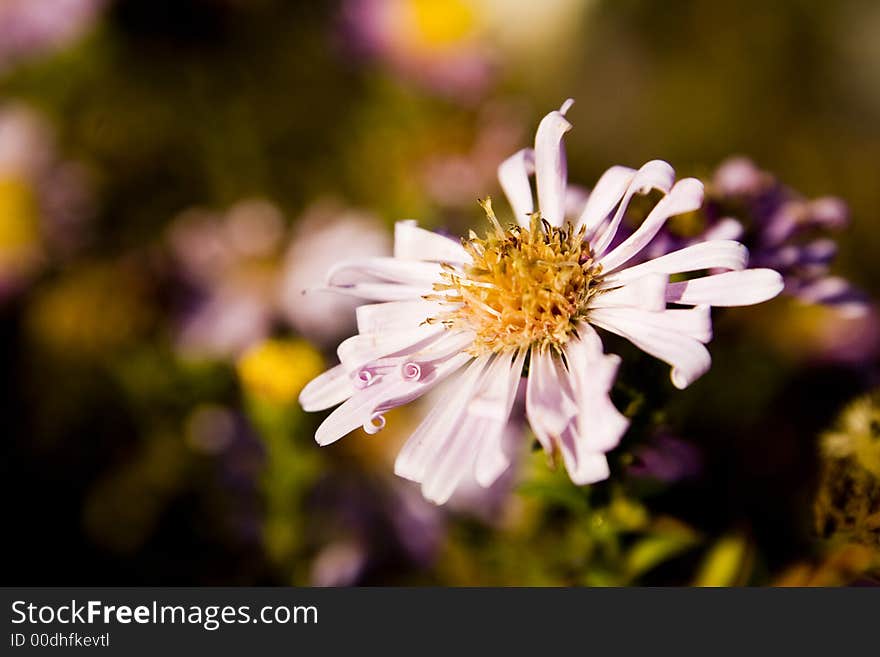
<point>604,197</point>
<point>655,174</point>
<point>551,175</point>
<point>694,322</point>
<point>687,356</point>
<point>389,392</point>
<point>685,196</point>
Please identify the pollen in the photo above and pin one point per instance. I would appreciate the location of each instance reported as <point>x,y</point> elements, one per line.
<point>523,287</point>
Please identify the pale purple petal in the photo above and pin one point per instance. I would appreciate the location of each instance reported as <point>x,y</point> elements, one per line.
<point>482,420</point>
<point>513,174</point>
<point>583,467</point>
<point>647,292</point>
<point>420,450</point>
<point>721,254</point>
<point>685,196</point>
<point>327,390</point>
<point>592,373</point>
<point>550,166</point>
<point>395,315</point>
<point>358,350</point>
<point>414,243</point>
<point>733,288</point>
<point>655,174</point>
<point>549,405</point>
<point>377,291</point>
<point>383,393</point>
<point>694,322</point>
<point>604,197</point>
<point>687,356</point>
<point>492,460</point>
<point>392,270</point>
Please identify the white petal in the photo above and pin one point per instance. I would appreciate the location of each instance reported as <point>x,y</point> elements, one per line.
<point>550,166</point>
<point>721,254</point>
<point>483,419</point>
<point>592,372</point>
<point>394,270</point>
<point>733,288</point>
<point>492,460</point>
<point>429,438</point>
<point>513,174</point>
<point>604,197</point>
<point>394,315</point>
<point>694,322</point>
<point>414,243</point>
<point>358,350</point>
<point>583,467</point>
<point>647,292</point>
<point>685,196</point>
<point>687,356</point>
<point>549,404</point>
<point>328,389</point>
<point>380,291</point>
<point>655,174</point>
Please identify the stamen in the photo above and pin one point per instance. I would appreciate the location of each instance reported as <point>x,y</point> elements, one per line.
<point>523,287</point>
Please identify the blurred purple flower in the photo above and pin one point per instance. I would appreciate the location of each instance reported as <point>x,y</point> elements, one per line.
<point>782,230</point>
<point>224,434</point>
<point>325,235</point>
<point>370,524</point>
<point>787,232</point>
<point>30,28</point>
<point>238,280</point>
<point>666,458</point>
<point>228,264</point>
<point>791,234</point>
<point>435,44</point>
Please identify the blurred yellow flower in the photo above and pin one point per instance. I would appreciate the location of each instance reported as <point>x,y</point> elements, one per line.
<point>19,217</point>
<point>440,23</point>
<point>277,369</point>
<point>91,310</point>
<point>847,504</point>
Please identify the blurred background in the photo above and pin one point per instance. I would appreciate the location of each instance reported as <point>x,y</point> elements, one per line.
<point>173,173</point>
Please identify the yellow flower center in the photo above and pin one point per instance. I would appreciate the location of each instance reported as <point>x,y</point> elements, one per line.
<point>523,287</point>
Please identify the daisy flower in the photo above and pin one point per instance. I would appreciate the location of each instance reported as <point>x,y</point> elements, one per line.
<point>473,313</point>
